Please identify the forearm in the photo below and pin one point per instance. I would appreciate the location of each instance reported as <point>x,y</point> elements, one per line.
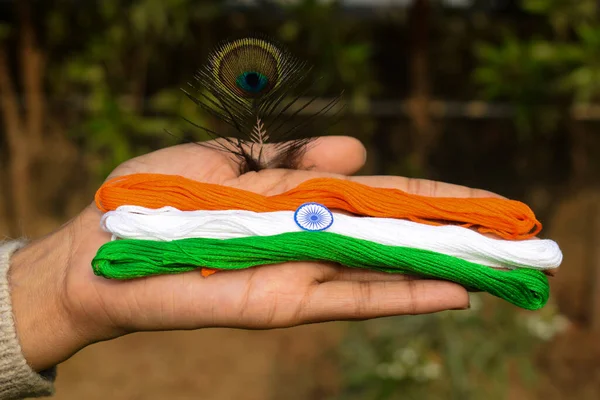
<point>17,378</point>
<point>39,293</point>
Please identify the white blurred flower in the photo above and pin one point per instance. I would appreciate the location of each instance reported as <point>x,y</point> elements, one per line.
<point>432,370</point>
<point>428,372</point>
<point>407,356</point>
<point>546,329</point>
<point>539,328</point>
<point>396,371</point>
<point>561,323</point>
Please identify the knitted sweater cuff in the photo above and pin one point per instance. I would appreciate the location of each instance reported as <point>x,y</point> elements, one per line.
<point>17,379</point>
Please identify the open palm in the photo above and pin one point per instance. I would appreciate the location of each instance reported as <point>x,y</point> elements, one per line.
<point>263,297</point>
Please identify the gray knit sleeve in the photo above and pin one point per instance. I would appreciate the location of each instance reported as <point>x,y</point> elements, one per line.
<point>17,379</point>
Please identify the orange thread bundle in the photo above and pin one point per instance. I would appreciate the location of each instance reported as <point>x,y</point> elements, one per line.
<point>508,219</point>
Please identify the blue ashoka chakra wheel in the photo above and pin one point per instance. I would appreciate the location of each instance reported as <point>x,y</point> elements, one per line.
<point>313,217</point>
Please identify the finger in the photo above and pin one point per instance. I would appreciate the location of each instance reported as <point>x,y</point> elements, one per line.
<point>365,300</point>
<point>422,187</point>
<point>342,155</point>
<point>334,272</point>
<point>335,154</point>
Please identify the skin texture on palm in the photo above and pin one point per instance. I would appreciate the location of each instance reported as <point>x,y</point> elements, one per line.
<point>60,306</point>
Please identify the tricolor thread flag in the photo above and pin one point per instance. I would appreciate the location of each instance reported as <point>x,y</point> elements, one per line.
<point>170,224</point>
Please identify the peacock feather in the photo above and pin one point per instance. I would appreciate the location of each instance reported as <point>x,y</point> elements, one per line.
<point>248,84</point>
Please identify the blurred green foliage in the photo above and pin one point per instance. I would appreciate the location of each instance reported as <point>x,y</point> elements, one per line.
<point>111,66</point>
<point>123,117</point>
<point>342,62</point>
<point>542,75</point>
<point>482,353</point>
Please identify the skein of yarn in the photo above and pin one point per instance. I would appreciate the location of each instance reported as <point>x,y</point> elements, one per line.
<point>169,223</point>
<point>126,259</point>
<point>508,219</point>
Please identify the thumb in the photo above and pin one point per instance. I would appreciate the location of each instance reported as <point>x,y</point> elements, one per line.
<point>342,155</point>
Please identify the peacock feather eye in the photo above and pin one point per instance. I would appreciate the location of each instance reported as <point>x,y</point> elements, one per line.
<point>249,68</point>
<point>258,88</point>
<point>252,81</point>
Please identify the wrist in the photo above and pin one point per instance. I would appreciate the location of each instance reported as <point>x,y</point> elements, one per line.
<point>46,332</point>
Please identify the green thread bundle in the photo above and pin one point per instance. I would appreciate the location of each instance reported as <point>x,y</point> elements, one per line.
<point>127,259</point>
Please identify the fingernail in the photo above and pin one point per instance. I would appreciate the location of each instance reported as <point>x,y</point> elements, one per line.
<point>461,308</point>
<point>467,307</point>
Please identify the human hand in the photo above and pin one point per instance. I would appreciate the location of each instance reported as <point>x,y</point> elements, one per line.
<point>60,306</point>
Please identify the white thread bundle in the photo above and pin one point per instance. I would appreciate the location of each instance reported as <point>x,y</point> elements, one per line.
<point>168,223</point>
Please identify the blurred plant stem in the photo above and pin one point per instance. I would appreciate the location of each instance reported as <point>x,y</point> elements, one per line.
<point>423,131</point>
<point>24,126</point>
